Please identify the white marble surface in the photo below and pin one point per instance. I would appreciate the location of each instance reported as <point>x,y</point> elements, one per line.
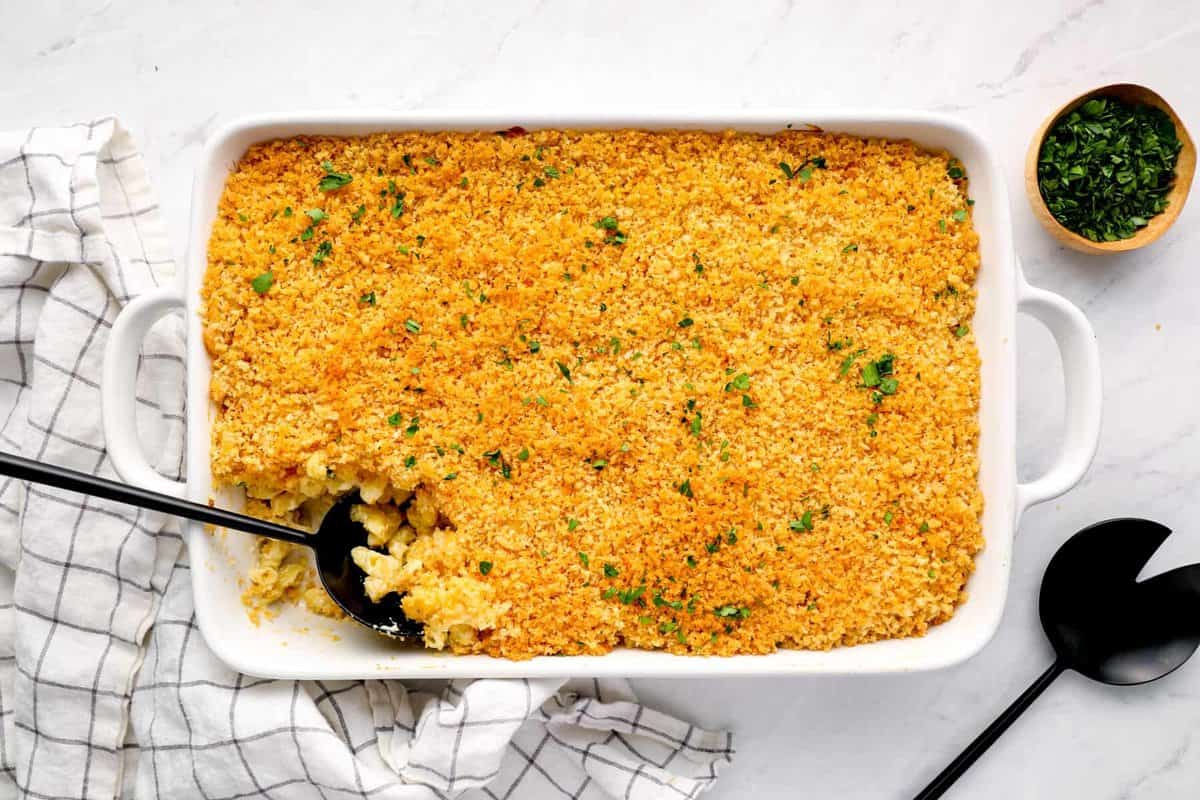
<point>173,71</point>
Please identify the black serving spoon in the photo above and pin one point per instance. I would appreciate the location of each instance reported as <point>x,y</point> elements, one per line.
<point>332,543</point>
<point>1103,622</point>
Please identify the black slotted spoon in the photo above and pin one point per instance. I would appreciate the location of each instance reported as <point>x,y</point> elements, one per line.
<point>332,543</point>
<point>1103,622</point>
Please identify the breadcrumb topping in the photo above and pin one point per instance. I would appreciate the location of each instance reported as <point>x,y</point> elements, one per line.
<point>704,392</point>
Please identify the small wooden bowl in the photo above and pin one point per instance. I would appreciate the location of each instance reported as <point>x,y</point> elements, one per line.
<point>1185,169</point>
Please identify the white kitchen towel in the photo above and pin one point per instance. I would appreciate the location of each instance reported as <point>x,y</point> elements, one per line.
<point>106,687</point>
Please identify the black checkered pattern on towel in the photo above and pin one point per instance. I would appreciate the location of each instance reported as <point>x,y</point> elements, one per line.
<point>106,686</point>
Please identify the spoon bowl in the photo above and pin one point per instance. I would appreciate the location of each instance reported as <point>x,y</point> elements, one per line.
<point>1102,621</point>
<point>332,544</point>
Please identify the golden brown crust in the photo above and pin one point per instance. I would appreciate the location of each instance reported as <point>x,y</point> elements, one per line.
<point>728,267</point>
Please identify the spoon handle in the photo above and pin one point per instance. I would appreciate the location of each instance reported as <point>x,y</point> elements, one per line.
<point>938,786</point>
<point>28,470</point>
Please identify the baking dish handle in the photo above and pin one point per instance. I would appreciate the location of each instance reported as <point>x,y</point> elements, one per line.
<point>1081,372</point>
<point>117,395</point>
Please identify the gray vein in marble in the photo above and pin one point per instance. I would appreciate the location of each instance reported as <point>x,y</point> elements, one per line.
<point>194,135</point>
<point>1155,44</point>
<point>1174,761</point>
<point>57,45</point>
<point>772,27</point>
<point>1030,54</point>
<point>490,58</point>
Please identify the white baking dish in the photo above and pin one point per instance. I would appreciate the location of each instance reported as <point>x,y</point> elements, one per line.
<point>300,645</point>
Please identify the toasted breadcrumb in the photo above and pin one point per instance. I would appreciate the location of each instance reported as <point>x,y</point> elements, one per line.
<point>643,377</point>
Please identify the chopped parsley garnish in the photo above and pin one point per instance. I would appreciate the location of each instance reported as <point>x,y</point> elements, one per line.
<point>534,346</point>
<point>565,370</point>
<point>660,602</point>
<point>695,424</point>
<point>287,211</point>
<point>523,455</point>
<point>398,206</point>
<point>924,528</point>
<point>583,558</point>
<point>942,225</point>
<point>610,571</point>
<point>960,215</point>
<point>685,488</point>
<point>450,476</point>
<point>732,612</point>
<point>805,523</point>
<point>496,459</point>
<point>414,425</point>
<point>1107,167</point>
<point>686,322</point>
<point>668,627</point>
<point>696,264</point>
<point>322,253</point>
<point>599,464</point>
<point>612,232</point>
<point>410,462</point>
<point>740,383</point>
<point>395,419</point>
<point>850,248</point>
<point>333,179</point>
<point>840,344</point>
<point>690,561</point>
<point>463,183</point>
<point>875,372</point>
<point>954,169</point>
<point>262,283</point>
<point>357,214</point>
<point>961,331</point>
<point>412,326</point>
<point>572,524</point>
<point>628,596</point>
<point>887,518</point>
<point>849,360</point>
<point>433,162</point>
<point>367,299</point>
<point>316,215</point>
<point>485,567</point>
<point>804,171</point>
<point>552,172</point>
